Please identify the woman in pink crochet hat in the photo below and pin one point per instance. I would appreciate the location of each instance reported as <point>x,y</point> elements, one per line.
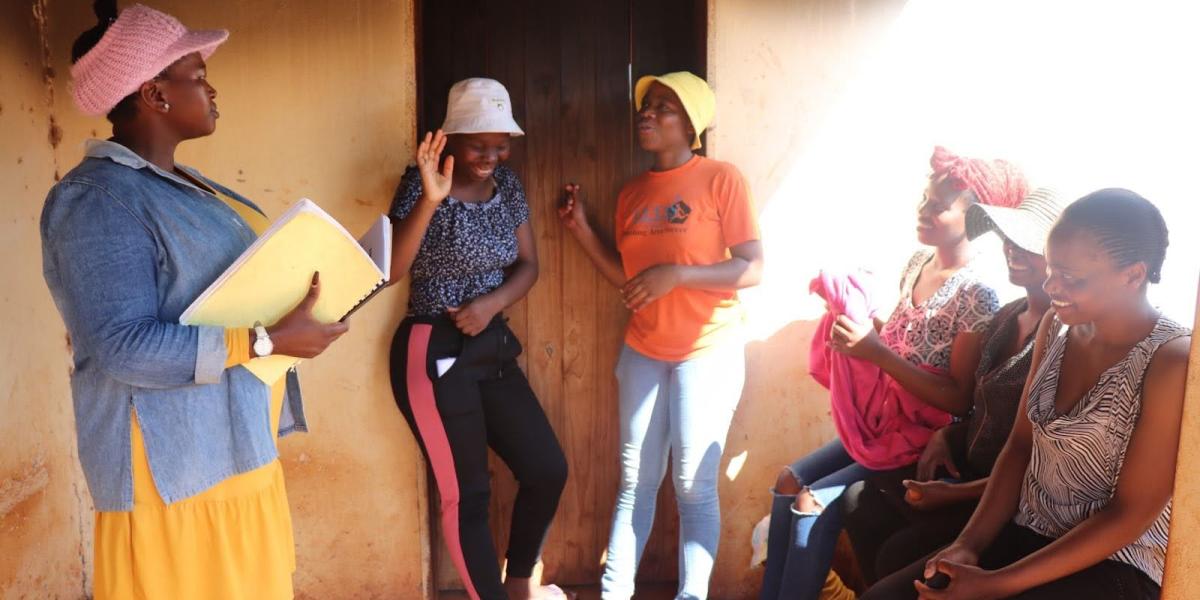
<point>177,440</point>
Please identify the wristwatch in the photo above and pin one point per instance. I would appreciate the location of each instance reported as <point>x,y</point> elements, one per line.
<point>263,345</point>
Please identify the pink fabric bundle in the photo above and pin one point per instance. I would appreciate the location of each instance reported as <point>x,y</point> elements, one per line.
<point>881,424</point>
<point>994,182</point>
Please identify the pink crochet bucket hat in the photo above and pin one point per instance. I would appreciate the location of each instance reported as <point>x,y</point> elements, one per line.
<point>135,48</point>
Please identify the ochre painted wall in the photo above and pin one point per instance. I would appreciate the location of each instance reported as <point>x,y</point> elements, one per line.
<point>778,67</point>
<point>45,523</point>
<point>1181,581</point>
<point>837,160</point>
<point>317,99</point>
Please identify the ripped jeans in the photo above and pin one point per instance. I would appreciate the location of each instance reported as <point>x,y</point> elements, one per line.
<point>800,545</point>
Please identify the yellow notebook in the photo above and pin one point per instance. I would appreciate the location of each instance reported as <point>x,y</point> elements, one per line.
<point>273,275</point>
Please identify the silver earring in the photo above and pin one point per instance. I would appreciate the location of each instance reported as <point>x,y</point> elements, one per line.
<point>166,106</point>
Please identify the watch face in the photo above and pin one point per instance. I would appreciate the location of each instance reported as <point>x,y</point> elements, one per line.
<point>263,347</point>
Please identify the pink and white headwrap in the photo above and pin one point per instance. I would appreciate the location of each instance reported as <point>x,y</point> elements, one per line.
<point>135,48</point>
<point>994,182</point>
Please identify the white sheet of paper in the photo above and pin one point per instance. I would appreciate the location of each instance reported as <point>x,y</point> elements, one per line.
<point>444,364</point>
<point>378,244</point>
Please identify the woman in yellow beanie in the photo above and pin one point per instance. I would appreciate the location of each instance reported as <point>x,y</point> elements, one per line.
<point>686,240</point>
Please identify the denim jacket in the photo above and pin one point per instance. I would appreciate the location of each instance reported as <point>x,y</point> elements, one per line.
<point>126,248</point>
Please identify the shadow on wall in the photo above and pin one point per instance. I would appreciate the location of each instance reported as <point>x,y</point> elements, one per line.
<point>783,414</point>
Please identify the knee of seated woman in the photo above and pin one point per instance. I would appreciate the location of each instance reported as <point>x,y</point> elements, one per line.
<point>807,503</point>
<point>786,483</point>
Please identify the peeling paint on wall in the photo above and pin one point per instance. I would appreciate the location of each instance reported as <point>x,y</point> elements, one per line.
<point>19,487</point>
<point>56,134</point>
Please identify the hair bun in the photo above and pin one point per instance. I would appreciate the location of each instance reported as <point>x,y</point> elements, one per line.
<point>106,11</point>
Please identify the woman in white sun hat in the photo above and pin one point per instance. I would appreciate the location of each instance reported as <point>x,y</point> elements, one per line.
<point>463,234</point>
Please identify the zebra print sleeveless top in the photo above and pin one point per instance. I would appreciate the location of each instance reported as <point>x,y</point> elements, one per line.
<point>1077,457</point>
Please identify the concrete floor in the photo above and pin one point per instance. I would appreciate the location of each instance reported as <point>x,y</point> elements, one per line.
<point>645,592</point>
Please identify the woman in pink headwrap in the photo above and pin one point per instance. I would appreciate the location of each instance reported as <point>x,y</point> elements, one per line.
<point>929,347</point>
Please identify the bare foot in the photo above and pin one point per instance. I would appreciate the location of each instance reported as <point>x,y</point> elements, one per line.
<point>523,588</point>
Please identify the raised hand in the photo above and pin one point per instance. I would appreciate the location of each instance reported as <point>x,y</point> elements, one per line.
<point>570,209</point>
<point>435,184</point>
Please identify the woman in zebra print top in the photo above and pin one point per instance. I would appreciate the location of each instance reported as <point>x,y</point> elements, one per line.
<point>1078,505</point>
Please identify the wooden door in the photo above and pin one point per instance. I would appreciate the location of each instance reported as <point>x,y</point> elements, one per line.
<point>569,67</point>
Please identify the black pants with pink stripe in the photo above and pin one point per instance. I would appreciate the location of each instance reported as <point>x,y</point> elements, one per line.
<point>482,401</point>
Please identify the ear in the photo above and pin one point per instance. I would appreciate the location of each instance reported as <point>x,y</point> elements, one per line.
<point>152,96</point>
<point>1135,275</point>
<point>965,199</point>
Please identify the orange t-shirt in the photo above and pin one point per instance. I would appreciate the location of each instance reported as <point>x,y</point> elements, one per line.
<point>689,215</point>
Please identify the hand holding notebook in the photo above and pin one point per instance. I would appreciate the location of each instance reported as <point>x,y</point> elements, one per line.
<point>274,275</point>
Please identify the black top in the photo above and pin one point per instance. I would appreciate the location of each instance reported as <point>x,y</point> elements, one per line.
<point>999,381</point>
<point>467,245</point>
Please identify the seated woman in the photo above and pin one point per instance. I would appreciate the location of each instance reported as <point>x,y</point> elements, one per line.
<point>1078,504</point>
<point>943,309</point>
<point>890,528</point>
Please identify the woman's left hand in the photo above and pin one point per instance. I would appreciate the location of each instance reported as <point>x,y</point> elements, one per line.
<point>859,340</point>
<point>966,583</point>
<point>650,285</point>
<point>473,316</point>
<point>930,495</point>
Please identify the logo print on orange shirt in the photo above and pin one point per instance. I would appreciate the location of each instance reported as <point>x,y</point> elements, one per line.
<point>676,213</point>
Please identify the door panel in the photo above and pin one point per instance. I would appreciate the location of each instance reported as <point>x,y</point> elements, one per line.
<point>568,67</point>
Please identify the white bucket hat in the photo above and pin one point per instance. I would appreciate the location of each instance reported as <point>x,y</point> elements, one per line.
<point>480,105</point>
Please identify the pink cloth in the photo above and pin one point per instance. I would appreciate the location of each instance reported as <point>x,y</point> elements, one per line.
<point>135,48</point>
<point>881,424</point>
<point>994,182</point>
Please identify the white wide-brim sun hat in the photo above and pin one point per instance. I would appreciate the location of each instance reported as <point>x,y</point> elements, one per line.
<point>1027,225</point>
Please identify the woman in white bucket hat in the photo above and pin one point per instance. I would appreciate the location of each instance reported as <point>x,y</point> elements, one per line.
<point>463,234</point>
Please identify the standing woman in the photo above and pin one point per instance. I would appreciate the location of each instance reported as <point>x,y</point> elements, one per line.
<point>177,441</point>
<point>1078,504</point>
<point>463,234</point>
<point>686,240</point>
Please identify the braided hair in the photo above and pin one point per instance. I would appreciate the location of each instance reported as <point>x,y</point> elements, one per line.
<point>106,14</point>
<point>1128,227</point>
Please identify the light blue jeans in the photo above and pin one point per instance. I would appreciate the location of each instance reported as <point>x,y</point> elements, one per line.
<point>682,408</point>
<point>800,545</point>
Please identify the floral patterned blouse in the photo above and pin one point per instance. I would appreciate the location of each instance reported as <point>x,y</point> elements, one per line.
<point>923,334</point>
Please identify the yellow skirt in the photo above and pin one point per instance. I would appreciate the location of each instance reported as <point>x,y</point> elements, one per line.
<point>230,542</point>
